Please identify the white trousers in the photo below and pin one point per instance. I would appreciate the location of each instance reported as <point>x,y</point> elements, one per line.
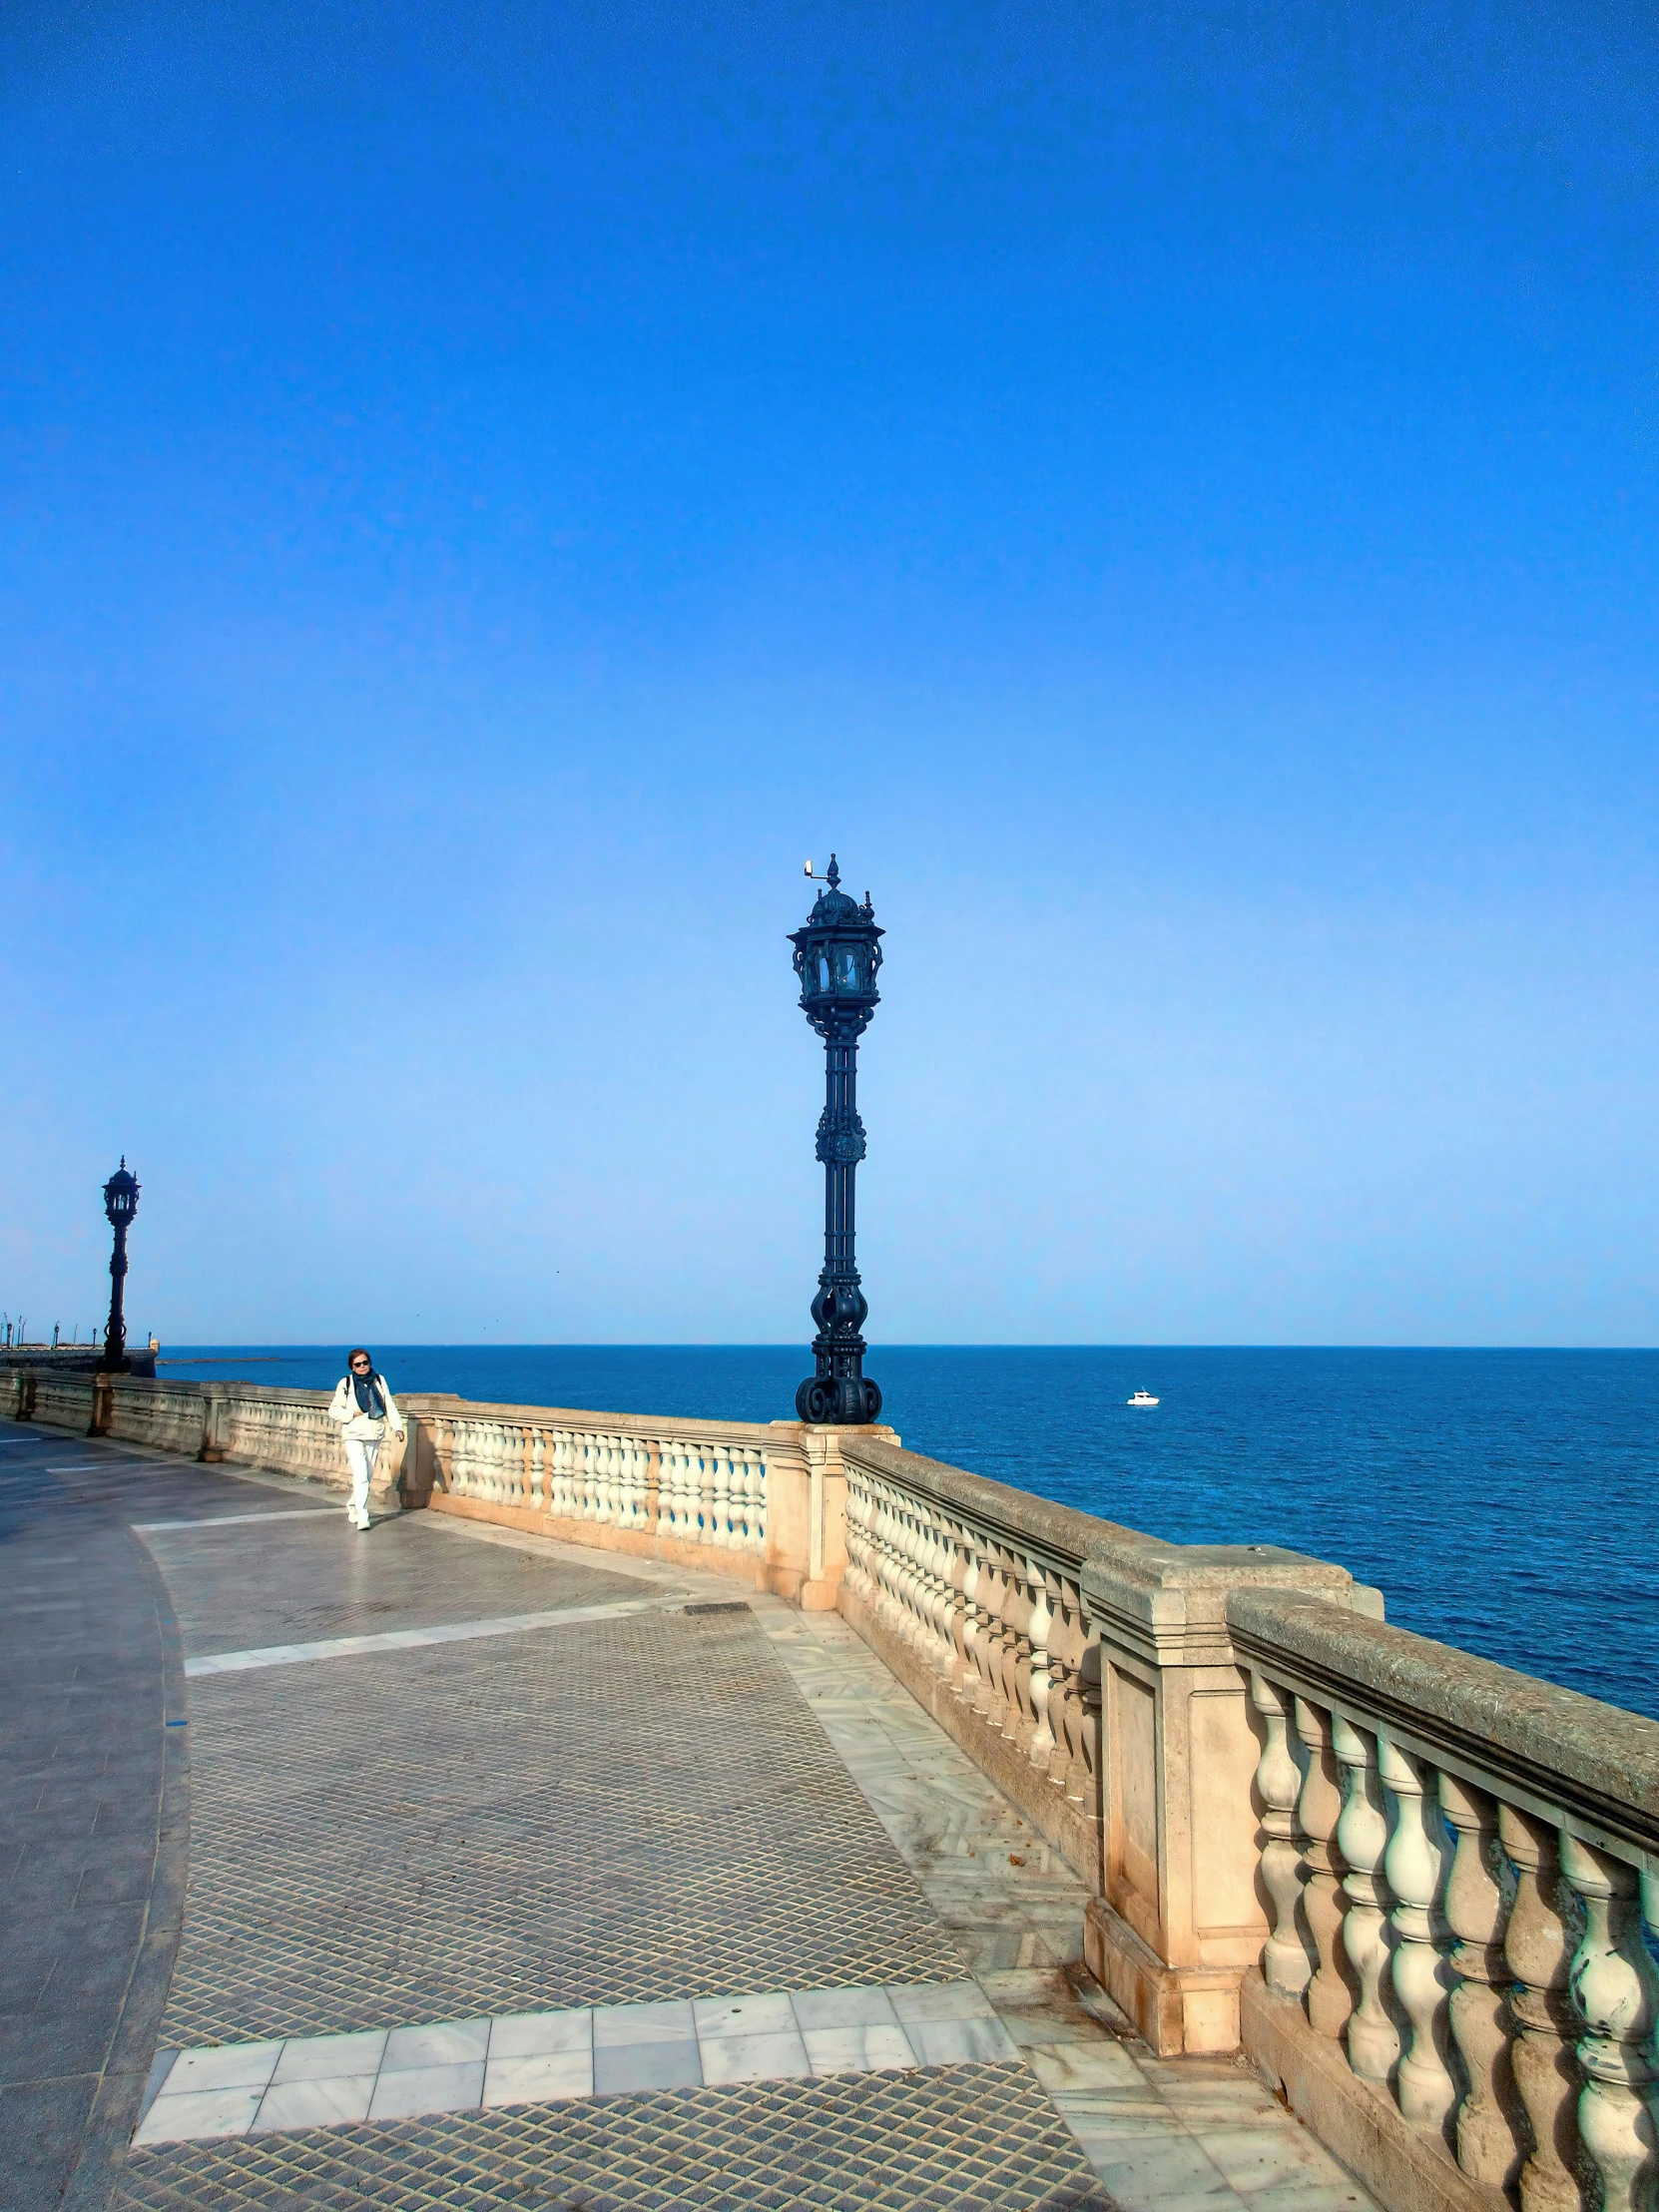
<point>361,1455</point>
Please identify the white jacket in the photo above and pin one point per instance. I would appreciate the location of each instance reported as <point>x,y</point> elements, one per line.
<point>358,1424</point>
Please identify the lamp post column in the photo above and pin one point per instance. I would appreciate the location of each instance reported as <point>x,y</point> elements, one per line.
<point>838,953</point>
<point>121,1194</point>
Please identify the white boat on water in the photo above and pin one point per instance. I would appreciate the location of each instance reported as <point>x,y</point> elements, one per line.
<point>1141,1398</point>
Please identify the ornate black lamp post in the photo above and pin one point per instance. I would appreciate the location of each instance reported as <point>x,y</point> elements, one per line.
<point>121,1197</point>
<point>837,954</point>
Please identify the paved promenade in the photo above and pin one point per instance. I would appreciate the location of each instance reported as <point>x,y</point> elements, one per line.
<point>440,1866</point>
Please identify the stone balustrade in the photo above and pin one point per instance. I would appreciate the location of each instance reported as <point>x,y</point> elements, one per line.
<point>673,1488</point>
<point>761,1502</point>
<point>1409,1885</point>
<point>1458,1862</point>
<point>1086,1668</point>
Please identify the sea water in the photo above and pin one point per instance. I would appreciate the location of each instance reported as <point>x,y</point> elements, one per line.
<point>1504,1501</point>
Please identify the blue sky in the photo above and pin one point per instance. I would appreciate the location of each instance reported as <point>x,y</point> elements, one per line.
<point>1167,495</point>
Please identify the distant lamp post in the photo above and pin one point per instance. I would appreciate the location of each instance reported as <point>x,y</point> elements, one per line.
<point>837,956</point>
<point>121,1197</point>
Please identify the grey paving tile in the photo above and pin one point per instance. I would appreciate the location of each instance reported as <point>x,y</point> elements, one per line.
<point>539,2076</point>
<point>620,2067</point>
<point>842,2008</point>
<point>42,2124</point>
<point>538,2034</point>
<point>445,2043</point>
<point>667,2020</point>
<point>769,2014</point>
<point>959,2042</point>
<point>870,2048</point>
<point>779,2057</point>
<point>325,2100</point>
<point>233,2067</point>
<point>327,2057</point>
<point>204,2112</point>
<point>455,2087</point>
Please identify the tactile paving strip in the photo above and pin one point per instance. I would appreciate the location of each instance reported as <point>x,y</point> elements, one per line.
<point>605,1814</point>
<point>960,2139</point>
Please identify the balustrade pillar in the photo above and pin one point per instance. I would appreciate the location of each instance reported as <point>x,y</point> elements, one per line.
<point>1424,2087</point>
<point>1362,1836</point>
<point>1284,1963</point>
<point>1616,1990</point>
<point>1537,1954</point>
<point>1329,1999</point>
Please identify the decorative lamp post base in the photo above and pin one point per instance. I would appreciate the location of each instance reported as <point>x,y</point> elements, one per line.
<point>842,1401</point>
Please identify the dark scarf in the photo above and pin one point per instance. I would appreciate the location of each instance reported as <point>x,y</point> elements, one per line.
<point>367,1390</point>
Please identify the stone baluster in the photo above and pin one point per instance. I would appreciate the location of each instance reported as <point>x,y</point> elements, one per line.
<point>1286,1966</point>
<point>679,1489</point>
<point>1424,2087</point>
<point>919,1584</point>
<point>1016,1652</point>
<point>1476,1910</point>
<point>1538,1956</point>
<point>886,1556</point>
<point>970,1682</point>
<point>737,1497</point>
<point>959,1612</point>
<point>558,1472</point>
<point>1616,1990</point>
<point>858,1572</point>
<point>1329,1999</point>
<point>1037,1630</point>
<point>943,1597</point>
<point>755,1493</point>
<point>987,1656</point>
<point>755,1501</point>
<point>906,1564</point>
<point>1005,1713</point>
<point>915,1574</point>
<point>717,1528</point>
<point>1361,1838</point>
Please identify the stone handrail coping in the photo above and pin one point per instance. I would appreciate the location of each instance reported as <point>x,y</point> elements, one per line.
<point>1571,1759</point>
<point>1155,1578</point>
<point>676,1426</point>
<point>445,1402</point>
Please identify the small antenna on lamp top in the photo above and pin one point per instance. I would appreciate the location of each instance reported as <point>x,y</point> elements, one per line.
<point>832,878</point>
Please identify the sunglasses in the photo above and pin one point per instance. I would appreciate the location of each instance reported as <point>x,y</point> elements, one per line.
<point>360,1366</point>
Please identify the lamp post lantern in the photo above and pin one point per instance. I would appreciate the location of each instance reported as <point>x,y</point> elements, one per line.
<point>837,954</point>
<point>121,1197</point>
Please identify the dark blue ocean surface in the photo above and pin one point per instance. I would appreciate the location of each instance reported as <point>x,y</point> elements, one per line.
<point>1502,1500</point>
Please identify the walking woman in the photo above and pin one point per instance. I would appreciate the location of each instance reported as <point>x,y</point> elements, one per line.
<point>367,1409</point>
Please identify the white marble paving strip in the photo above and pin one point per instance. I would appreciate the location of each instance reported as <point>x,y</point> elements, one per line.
<point>410,1639</point>
<point>238,1520</point>
<point>584,2051</point>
